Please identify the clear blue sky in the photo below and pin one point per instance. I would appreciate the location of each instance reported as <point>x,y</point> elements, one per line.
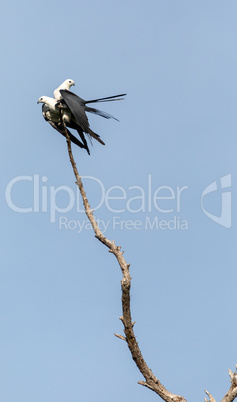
<point>60,289</point>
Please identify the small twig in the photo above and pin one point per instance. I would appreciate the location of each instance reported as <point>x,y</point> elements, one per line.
<point>210,396</point>
<point>120,337</point>
<point>144,384</point>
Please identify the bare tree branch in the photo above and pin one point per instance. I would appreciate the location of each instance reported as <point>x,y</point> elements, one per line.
<point>151,381</point>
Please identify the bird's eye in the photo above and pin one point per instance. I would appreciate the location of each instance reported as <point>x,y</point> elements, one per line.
<point>70,81</point>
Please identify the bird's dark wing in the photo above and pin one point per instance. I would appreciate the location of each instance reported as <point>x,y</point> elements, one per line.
<point>79,104</point>
<point>76,106</point>
<point>75,126</point>
<point>106,99</point>
<point>80,121</point>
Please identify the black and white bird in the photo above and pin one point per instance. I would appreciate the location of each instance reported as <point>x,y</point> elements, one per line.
<point>70,109</point>
<point>65,85</point>
<point>51,114</point>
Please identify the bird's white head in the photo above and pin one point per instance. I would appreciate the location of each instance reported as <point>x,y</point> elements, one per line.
<point>67,84</point>
<point>51,102</point>
<point>42,99</point>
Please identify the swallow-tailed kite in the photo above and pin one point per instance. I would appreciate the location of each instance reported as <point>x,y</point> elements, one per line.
<point>52,116</point>
<point>71,109</point>
<point>65,85</point>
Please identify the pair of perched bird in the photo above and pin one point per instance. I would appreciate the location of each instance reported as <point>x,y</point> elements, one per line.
<point>69,110</point>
